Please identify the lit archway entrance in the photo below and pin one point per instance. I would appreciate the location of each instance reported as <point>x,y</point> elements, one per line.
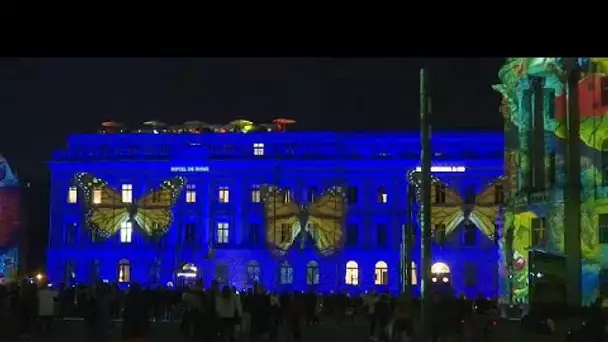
<point>440,272</point>
<point>187,274</point>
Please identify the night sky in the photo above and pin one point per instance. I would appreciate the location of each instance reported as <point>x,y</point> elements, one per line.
<point>44,100</point>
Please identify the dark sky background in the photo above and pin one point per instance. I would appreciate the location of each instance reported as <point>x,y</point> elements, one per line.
<point>43,100</point>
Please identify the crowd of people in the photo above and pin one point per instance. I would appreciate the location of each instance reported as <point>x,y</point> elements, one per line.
<point>221,314</point>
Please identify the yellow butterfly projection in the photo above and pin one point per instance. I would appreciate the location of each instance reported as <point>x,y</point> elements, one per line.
<point>323,219</point>
<point>106,211</point>
<point>449,210</point>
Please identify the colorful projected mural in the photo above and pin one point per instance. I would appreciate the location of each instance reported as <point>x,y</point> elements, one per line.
<point>287,222</point>
<point>107,209</point>
<point>9,222</point>
<point>534,108</point>
<point>449,209</point>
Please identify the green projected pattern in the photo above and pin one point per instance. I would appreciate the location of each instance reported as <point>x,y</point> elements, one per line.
<point>539,223</point>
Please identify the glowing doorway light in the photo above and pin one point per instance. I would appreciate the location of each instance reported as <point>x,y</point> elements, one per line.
<point>444,169</point>
<point>440,268</point>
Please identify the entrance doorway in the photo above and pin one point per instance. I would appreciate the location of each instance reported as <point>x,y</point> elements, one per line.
<point>187,275</point>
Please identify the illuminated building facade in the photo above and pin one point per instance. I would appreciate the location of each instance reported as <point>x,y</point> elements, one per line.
<point>232,207</point>
<point>9,223</point>
<point>556,143</point>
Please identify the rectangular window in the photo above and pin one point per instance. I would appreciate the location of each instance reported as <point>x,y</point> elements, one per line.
<point>126,232</point>
<point>70,234</point>
<point>352,235</point>
<point>224,194</point>
<point>470,274</point>
<point>191,193</point>
<point>439,193</point>
<point>223,230</point>
<point>538,231</point>
<point>311,193</point>
<point>127,193</point>
<point>190,233</point>
<point>469,235</point>
<point>499,194</point>
<point>382,195</point>
<point>96,196</point>
<point>258,149</point>
<point>603,228</point>
<point>288,196</point>
<point>382,235</point>
<point>603,279</point>
<point>72,195</point>
<point>283,235</point>
<point>352,194</point>
<point>256,194</point>
<point>439,234</point>
<point>252,235</point>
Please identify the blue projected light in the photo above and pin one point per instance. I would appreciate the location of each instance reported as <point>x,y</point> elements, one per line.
<point>224,227</point>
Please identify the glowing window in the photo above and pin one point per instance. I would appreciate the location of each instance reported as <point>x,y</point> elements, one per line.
<point>253,272</point>
<point>382,195</point>
<point>126,232</point>
<point>256,194</point>
<point>381,273</point>
<point>352,273</point>
<point>96,196</point>
<point>72,194</point>
<point>258,149</point>
<point>440,268</point>
<point>127,193</point>
<point>190,193</point>
<point>413,274</point>
<point>312,273</point>
<point>539,225</point>
<point>224,194</point>
<point>288,196</point>
<point>223,231</point>
<point>124,271</point>
<point>286,273</point>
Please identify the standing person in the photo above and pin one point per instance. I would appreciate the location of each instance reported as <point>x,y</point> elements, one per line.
<point>295,311</point>
<point>47,298</point>
<point>136,324</point>
<point>228,310</point>
<point>369,302</point>
<point>382,311</point>
<point>260,313</point>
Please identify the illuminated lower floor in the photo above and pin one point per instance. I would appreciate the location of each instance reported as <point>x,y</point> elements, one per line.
<point>469,272</point>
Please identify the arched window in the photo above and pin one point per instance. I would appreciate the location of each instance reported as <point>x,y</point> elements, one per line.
<point>440,268</point>
<point>286,273</point>
<point>381,273</point>
<point>124,271</point>
<point>312,273</point>
<point>253,272</point>
<point>414,274</point>
<point>352,273</point>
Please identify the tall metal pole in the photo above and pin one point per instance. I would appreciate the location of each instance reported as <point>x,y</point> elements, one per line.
<point>572,204</point>
<point>425,201</point>
<point>407,239</point>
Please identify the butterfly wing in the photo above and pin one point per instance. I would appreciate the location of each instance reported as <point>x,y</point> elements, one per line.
<point>448,213</point>
<point>154,215</point>
<point>105,217</point>
<point>486,209</point>
<point>326,219</point>
<point>279,216</point>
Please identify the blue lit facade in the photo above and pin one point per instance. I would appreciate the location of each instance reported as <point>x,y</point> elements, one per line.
<point>372,166</point>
